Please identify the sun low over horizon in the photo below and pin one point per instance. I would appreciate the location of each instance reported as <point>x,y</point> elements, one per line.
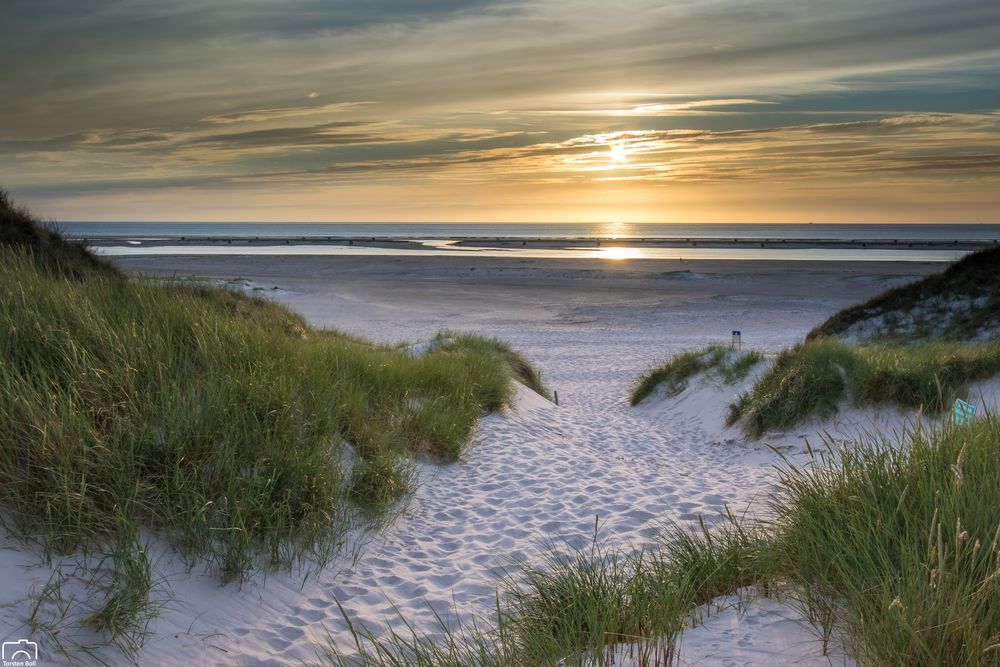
<point>481,111</point>
<point>500,333</point>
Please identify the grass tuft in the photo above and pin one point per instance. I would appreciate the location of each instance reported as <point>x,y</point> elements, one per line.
<point>903,543</point>
<point>581,607</point>
<point>378,482</point>
<point>814,378</point>
<point>123,584</point>
<point>717,360</point>
<point>69,259</point>
<point>894,544</point>
<point>523,370</point>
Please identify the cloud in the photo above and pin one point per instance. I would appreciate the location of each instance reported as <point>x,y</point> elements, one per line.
<point>497,92</point>
<point>903,146</point>
<point>788,153</point>
<point>656,108</point>
<point>173,62</point>
<point>261,115</point>
<point>327,134</point>
<point>907,123</point>
<point>43,144</point>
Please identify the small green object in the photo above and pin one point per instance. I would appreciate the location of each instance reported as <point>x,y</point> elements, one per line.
<point>965,412</point>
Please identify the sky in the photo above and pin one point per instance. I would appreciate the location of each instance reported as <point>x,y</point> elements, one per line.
<point>477,110</point>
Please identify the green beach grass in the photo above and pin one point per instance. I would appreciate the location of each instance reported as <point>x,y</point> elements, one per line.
<point>20,229</point>
<point>213,416</point>
<point>522,369</point>
<point>896,548</point>
<point>960,303</point>
<point>719,361</point>
<point>816,377</point>
<point>576,608</point>
<point>223,423</point>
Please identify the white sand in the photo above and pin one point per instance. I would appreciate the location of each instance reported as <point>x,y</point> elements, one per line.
<point>536,474</point>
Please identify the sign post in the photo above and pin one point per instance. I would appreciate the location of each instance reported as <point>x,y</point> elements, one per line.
<point>737,343</point>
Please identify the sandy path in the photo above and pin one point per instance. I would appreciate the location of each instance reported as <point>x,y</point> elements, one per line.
<point>537,474</point>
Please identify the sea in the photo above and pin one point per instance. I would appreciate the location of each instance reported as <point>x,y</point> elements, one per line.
<point>802,242</point>
<point>566,230</point>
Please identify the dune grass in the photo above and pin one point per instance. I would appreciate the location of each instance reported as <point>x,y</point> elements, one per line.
<point>217,417</point>
<point>815,377</point>
<point>222,422</point>
<point>582,606</point>
<point>70,259</point>
<point>895,547</point>
<point>115,592</point>
<point>903,544</point>
<point>577,608</point>
<point>960,303</point>
<point>719,361</point>
<point>522,369</point>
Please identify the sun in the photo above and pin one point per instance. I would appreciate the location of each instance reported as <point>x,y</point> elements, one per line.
<point>618,154</point>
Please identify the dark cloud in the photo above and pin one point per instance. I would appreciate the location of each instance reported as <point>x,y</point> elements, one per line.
<point>326,134</point>
<point>167,62</point>
<point>890,125</point>
<point>120,184</point>
<point>130,139</point>
<point>43,144</point>
<point>174,19</point>
<point>336,133</point>
<point>986,163</point>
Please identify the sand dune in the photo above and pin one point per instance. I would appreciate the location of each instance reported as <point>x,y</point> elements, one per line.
<point>538,475</point>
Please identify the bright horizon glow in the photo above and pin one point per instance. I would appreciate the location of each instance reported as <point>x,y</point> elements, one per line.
<point>503,111</point>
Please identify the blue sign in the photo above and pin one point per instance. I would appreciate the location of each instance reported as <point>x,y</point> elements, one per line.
<point>965,412</point>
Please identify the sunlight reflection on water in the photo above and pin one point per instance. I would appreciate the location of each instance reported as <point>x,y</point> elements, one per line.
<point>435,248</point>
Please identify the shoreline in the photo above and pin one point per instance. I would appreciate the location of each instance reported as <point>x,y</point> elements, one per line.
<point>491,242</point>
<point>521,250</point>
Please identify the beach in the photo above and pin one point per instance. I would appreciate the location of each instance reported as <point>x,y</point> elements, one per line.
<point>539,477</point>
<point>540,474</point>
<point>666,302</point>
<point>500,334</point>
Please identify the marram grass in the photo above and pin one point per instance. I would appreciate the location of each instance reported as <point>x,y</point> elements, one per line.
<point>894,546</point>
<point>222,422</point>
<point>815,377</point>
<point>673,376</point>
<point>523,370</point>
<point>577,608</point>
<point>902,544</point>
<point>216,417</point>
